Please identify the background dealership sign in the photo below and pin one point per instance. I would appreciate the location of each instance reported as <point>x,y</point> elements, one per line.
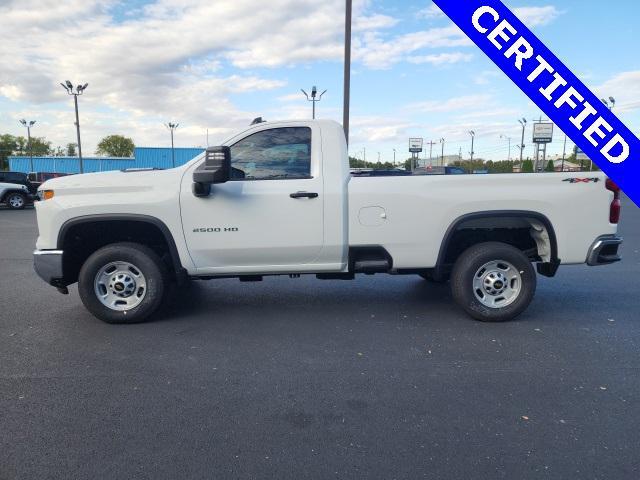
<point>542,132</point>
<point>415,145</point>
<point>552,87</point>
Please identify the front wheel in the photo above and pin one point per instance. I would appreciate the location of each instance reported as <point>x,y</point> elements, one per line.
<point>16,201</point>
<point>123,283</point>
<point>493,282</point>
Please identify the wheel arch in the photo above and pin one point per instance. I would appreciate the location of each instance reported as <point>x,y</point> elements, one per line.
<point>102,219</point>
<point>546,268</point>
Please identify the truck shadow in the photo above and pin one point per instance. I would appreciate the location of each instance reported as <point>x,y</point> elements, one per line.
<point>282,298</point>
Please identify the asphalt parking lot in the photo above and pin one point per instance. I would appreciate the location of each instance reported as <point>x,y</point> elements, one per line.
<point>292,379</point>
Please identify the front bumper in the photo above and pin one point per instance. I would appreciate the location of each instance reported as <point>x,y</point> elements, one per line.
<point>604,251</point>
<point>48,266</point>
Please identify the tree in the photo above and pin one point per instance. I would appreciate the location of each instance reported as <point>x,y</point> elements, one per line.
<point>527,166</point>
<point>550,166</point>
<point>71,149</point>
<point>116,146</point>
<point>39,146</point>
<point>8,146</point>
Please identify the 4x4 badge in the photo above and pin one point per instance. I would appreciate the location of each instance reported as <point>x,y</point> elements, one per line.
<point>582,180</point>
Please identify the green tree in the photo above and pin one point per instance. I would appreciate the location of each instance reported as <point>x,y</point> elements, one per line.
<point>39,146</point>
<point>8,146</point>
<point>550,166</point>
<point>527,166</point>
<point>71,149</point>
<point>116,146</point>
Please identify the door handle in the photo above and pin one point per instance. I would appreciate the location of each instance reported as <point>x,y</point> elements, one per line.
<point>304,195</point>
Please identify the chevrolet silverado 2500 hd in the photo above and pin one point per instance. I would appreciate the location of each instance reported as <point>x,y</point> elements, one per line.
<point>278,199</point>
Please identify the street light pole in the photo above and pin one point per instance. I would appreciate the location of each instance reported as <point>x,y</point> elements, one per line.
<point>172,128</point>
<point>442,160</point>
<point>394,157</point>
<point>68,86</point>
<point>347,68</point>
<point>523,122</point>
<point>313,99</point>
<point>28,125</point>
<point>473,137</point>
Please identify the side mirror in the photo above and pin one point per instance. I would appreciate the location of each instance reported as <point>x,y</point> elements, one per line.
<point>215,169</point>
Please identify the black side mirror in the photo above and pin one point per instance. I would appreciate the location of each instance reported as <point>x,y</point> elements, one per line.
<point>215,169</point>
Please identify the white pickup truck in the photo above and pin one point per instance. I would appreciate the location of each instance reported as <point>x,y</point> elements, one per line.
<point>278,199</point>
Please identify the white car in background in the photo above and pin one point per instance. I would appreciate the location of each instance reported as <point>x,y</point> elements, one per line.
<point>13,195</point>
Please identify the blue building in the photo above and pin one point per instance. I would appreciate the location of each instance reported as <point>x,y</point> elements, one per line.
<point>144,157</point>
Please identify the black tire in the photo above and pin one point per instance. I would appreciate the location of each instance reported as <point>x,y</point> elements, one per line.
<point>144,259</point>
<point>15,200</point>
<point>471,261</point>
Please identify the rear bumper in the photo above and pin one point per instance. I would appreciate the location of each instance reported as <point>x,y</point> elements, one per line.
<point>48,266</point>
<point>604,251</point>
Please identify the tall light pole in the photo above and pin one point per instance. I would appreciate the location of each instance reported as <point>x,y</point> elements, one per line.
<point>609,105</point>
<point>442,142</point>
<point>394,157</point>
<point>473,137</point>
<point>28,125</point>
<point>346,96</point>
<point>507,138</point>
<point>313,98</point>
<point>523,122</point>
<point>172,128</point>
<point>79,90</point>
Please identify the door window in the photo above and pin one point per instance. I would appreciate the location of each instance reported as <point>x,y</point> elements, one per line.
<point>275,154</point>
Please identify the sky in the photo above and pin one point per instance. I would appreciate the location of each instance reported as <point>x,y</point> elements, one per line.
<point>217,64</point>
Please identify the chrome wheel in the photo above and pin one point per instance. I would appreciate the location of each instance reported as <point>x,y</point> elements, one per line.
<point>120,286</point>
<point>16,201</point>
<point>497,284</point>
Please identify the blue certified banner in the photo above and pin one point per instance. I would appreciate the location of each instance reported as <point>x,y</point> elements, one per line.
<point>552,87</point>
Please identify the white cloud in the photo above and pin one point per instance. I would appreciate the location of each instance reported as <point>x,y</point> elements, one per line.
<point>467,102</point>
<point>537,16</point>
<point>431,12</point>
<point>377,53</point>
<point>441,59</point>
<point>625,88</point>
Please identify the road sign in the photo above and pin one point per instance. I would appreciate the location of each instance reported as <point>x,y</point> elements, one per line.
<point>415,145</point>
<point>542,132</point>
<point>580,155</point>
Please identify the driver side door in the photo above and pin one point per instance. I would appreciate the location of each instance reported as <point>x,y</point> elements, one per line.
<point>269,216</point>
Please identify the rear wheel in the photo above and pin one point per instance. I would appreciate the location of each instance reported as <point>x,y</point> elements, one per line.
<point>493,282</point>
<point>123,283</point>
<point>16,201</point>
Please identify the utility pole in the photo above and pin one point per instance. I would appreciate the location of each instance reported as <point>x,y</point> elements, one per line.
<point>442,158</point>
<point>473,137</point>
<point>172,128</point>
<point>68,86</point>
<point>28,125</point>
<point>347,68</point>
<point>509,139</point>
<point>313,98</point>
<point>523,122</point>
<point>394,157</point>
<point>431,144</point>
<point>564,151</point>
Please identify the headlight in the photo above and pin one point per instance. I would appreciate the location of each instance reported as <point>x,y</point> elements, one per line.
<point>45,194</point>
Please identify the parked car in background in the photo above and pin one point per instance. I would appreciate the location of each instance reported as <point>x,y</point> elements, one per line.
<point>38,178</point>
<point>14,195</point>
<point>20,178</point>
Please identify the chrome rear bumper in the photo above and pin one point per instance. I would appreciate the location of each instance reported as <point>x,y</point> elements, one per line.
<point>604,251</point>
